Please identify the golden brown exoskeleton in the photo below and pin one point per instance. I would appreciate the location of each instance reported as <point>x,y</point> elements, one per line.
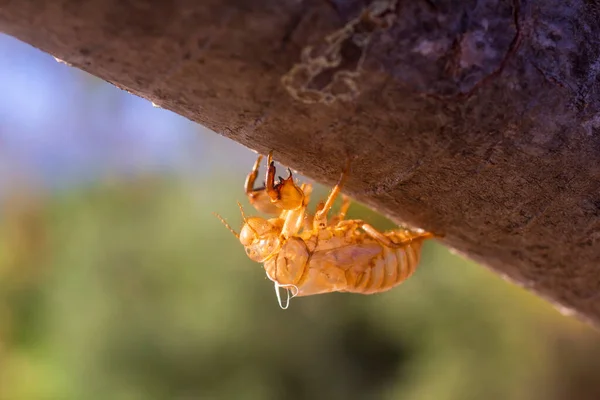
<point>273,197</point>
<point>310,255</point>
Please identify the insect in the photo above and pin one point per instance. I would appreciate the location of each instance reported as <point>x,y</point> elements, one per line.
<point>310,254</point>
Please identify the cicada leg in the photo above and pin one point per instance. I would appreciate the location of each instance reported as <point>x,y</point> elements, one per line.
<point>320,219</point>
<point>344,208</point>
<point>284,194</point>
<point>258,197</point>
<point>342,212</point>
<point>295,219</point>
<point>272,197</point>
<point>251,178</point>
<point>386,241</point>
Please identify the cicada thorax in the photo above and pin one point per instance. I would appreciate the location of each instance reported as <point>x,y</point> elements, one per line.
<point>289,265</point>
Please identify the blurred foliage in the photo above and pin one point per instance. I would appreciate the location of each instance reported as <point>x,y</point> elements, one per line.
<point>131,289</point>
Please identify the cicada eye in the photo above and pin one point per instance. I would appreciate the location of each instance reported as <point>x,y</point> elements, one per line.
<point>254,254</point>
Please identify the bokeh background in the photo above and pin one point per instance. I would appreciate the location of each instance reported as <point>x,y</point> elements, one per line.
<point>117,282</point>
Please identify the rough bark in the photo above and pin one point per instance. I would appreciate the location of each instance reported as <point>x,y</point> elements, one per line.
<point>476,119</point>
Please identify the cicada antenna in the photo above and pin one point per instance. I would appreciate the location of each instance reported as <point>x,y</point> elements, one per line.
<point>245,218</point>
<point>242,211</point>
<point>237,235</point>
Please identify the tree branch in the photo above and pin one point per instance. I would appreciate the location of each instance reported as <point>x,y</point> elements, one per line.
<point>476,119</point>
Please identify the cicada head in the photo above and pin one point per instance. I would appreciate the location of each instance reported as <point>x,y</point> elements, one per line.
<point>260,238</point>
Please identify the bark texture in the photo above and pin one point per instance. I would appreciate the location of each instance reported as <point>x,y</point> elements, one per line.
<point>478,119</point>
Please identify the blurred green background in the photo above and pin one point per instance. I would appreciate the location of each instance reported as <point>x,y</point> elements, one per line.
<point>117,282</point>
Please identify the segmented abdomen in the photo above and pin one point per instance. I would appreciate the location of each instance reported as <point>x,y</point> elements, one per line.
<point>387,270</point>
<point>366,266</point>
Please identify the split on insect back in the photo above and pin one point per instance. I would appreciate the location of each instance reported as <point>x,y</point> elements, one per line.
<point>307,254</point>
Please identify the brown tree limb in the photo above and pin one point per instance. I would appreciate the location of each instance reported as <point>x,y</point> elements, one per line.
<point>477,119</point>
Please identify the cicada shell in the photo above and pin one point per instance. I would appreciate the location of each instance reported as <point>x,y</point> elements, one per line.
<point>312,254</point>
